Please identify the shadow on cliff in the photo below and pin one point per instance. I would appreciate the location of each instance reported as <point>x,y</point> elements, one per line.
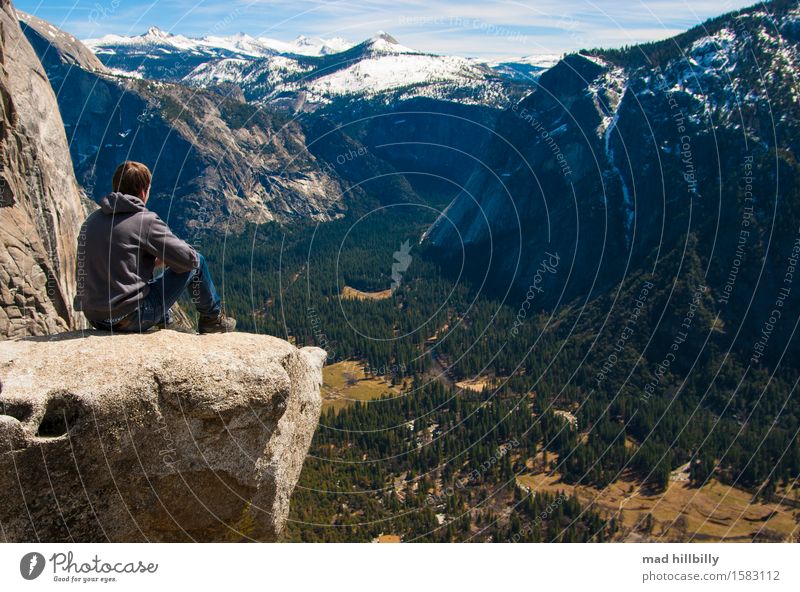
<point>85,333</point>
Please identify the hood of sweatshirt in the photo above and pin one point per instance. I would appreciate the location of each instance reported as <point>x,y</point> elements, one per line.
<point>121,203</point>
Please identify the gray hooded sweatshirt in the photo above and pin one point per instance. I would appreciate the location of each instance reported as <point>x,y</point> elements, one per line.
<point>117,250</point>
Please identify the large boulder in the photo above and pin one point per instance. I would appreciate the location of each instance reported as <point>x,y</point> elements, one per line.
<point>40,203</point>
<point>162,436</point>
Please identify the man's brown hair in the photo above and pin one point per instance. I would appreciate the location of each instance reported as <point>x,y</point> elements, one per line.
<point>132,178</point>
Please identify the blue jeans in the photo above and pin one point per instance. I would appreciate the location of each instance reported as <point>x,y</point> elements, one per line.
<point>165,291</point>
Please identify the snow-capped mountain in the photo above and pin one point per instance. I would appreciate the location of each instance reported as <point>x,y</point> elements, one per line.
<point>316,46</point>
<point>160,55</point>
<point>378,67</point>
<point>308,73</point>
<point>156,39</point>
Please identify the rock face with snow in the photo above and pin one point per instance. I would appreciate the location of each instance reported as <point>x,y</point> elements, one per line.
<point>157,437</point>
<point>40,204</point>
<point>619,158</point>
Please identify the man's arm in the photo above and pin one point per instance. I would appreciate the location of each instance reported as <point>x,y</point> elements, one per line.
<point>162,244</point>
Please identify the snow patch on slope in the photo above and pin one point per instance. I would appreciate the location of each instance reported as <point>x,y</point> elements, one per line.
<point>376,75</point>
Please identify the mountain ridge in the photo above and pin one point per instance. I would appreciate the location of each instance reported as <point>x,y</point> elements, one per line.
<point>237,43</point>
<point>269,72</point>
<point>215,158</point>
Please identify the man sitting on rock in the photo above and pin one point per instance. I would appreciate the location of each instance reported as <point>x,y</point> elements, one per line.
<point>119,246</point>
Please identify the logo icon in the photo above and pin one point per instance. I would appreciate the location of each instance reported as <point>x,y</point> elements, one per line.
<point>31,565</point>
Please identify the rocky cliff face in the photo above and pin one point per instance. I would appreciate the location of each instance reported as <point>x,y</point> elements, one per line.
<point>40,206</point>
<point>155,437</point>
<point>619,158</point>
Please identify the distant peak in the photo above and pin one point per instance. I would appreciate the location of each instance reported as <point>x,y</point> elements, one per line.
<point>319,46</point>
<point>384,36</point>
<point>383,43</point>
<point>156,32</point>
<point>304,41</point>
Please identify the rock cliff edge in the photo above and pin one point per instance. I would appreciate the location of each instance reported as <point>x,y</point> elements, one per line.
<point>157,437</point>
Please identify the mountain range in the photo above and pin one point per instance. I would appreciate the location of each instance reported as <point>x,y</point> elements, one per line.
<point>214,157</point>
<point>238,132</point>
<point>156,40</point>
<point>309,73</point>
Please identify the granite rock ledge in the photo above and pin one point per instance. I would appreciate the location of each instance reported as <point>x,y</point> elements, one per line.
<point>163,436</point>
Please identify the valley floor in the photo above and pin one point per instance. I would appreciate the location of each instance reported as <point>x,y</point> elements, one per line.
<point>714,512</point>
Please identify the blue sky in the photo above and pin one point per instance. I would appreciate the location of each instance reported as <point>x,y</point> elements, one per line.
<point>489,28</point>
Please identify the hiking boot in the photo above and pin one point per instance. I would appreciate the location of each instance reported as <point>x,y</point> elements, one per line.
<point>167,322</point>
<point>218,324</point>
